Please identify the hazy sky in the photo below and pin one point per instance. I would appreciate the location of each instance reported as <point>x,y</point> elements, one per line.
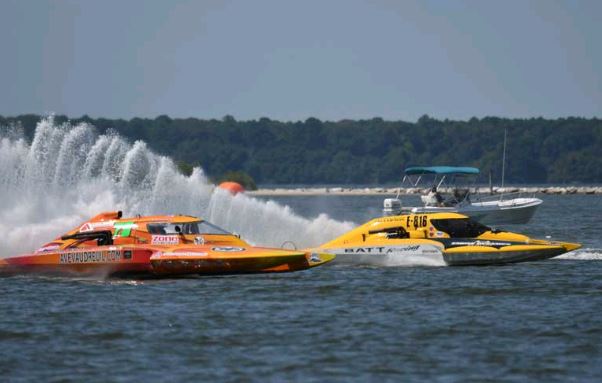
<point>291,60</point>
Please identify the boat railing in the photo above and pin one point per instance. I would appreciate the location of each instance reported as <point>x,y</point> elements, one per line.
<point>476,194</point>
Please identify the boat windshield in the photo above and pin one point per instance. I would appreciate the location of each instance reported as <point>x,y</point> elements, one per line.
<point>199,227</point>
<point>460,227</point>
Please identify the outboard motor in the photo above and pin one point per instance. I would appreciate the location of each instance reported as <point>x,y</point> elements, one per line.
<point>391,206</point>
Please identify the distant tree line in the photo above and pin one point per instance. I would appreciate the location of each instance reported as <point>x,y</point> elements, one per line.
<point>374,151</point>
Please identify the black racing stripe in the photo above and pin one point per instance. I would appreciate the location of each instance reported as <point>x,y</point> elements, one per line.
<point>450,243</point>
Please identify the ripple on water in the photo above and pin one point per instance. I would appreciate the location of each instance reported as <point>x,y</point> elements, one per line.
<point>528,321</point>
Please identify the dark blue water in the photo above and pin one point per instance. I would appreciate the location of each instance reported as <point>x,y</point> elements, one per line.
<point>537,321</point>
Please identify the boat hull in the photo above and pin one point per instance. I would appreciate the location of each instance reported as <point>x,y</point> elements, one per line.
<point>131,262</point>
<point>474,256</point>
<point>420,254</point>
<point>505,214</point>
<point>510,212</point>
<point>100,261</point>
<point>185,263</point>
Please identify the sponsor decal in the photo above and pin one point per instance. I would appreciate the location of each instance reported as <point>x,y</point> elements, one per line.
<point>388,219</point>
<point>439,234</point>
<point>48,247</point>
<point>315,258</point>
<point>200,240</point>
<point>379,249</point>
<point>90,257</point>
<point>124,229</point>
<point>480,243</point>
<point>227,249</point>
<point>91,226</point>
<point>165,240</point>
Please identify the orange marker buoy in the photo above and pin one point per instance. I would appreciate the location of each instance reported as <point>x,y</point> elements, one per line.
<point>232,187</point>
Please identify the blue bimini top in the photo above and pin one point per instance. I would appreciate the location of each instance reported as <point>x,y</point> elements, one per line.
<point>462,170</point>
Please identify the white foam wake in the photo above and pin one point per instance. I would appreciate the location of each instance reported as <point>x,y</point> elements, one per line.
<point>418,260</point>
<point>70,173</point>
<point>398,260</point>
<point>583,255</point>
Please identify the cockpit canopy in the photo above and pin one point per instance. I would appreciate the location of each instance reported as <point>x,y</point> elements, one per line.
<point>460,227</point>
<point>198,227</point>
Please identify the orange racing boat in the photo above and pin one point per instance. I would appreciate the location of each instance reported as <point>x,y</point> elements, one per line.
<point>155,246</point>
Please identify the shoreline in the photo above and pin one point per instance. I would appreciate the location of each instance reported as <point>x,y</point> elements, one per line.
<point>315,191</point>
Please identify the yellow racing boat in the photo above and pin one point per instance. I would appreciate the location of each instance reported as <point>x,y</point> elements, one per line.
<point>454,237</point>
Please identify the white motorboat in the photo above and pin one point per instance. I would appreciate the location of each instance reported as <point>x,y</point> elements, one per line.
<point>444,195</point>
